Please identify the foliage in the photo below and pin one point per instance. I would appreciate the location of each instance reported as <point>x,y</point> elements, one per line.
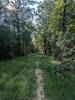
<point>56,28</point>
<point>16,21</point>
<point>6,43</point>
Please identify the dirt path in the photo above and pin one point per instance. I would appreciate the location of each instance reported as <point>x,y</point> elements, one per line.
<point>39,81</point>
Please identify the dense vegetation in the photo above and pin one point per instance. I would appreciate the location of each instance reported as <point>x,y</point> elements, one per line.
<point>16,28</point>
<point>51,23</point>
<point>56,28</point>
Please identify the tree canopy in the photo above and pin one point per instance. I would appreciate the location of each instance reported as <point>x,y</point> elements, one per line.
<point>51,23</point>
<point>56,22</point>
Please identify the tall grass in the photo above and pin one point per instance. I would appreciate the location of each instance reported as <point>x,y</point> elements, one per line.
<point>17,79</point>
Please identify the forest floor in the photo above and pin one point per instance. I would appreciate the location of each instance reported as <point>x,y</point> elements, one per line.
<point>19,79</point>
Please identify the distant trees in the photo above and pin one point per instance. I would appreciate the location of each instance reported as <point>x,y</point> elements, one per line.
<point>16,27</point>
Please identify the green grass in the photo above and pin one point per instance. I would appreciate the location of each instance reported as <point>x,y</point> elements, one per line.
<point>59,83</point>
<point>17,79</point>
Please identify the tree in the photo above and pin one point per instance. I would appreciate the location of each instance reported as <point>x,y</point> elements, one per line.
<point>16,17</point>
<point>44,14</point>
<point>56,24</point>
<point>6,43</point>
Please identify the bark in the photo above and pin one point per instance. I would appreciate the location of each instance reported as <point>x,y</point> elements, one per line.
<point>64,16</point>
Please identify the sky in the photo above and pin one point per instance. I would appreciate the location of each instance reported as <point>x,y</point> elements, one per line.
<point>38,0</point>
<point>32,6</point>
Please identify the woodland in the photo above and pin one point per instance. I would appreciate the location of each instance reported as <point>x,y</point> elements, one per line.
<point>34,31</point>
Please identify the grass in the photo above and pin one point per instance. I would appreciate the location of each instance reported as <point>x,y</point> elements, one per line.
<point>17,79</point>
<point>59,83</point>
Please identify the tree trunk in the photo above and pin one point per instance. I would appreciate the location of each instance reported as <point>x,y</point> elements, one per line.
<point>64,16</point>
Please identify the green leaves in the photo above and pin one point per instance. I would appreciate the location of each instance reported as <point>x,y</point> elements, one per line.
<point>57,19</point>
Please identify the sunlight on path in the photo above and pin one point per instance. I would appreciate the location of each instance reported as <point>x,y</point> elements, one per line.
<point>39,81</point>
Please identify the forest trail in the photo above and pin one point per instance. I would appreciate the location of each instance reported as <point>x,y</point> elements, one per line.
<point>39,81</point>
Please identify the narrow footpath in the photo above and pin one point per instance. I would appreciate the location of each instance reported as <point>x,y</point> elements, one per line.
<point>40,84</point>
